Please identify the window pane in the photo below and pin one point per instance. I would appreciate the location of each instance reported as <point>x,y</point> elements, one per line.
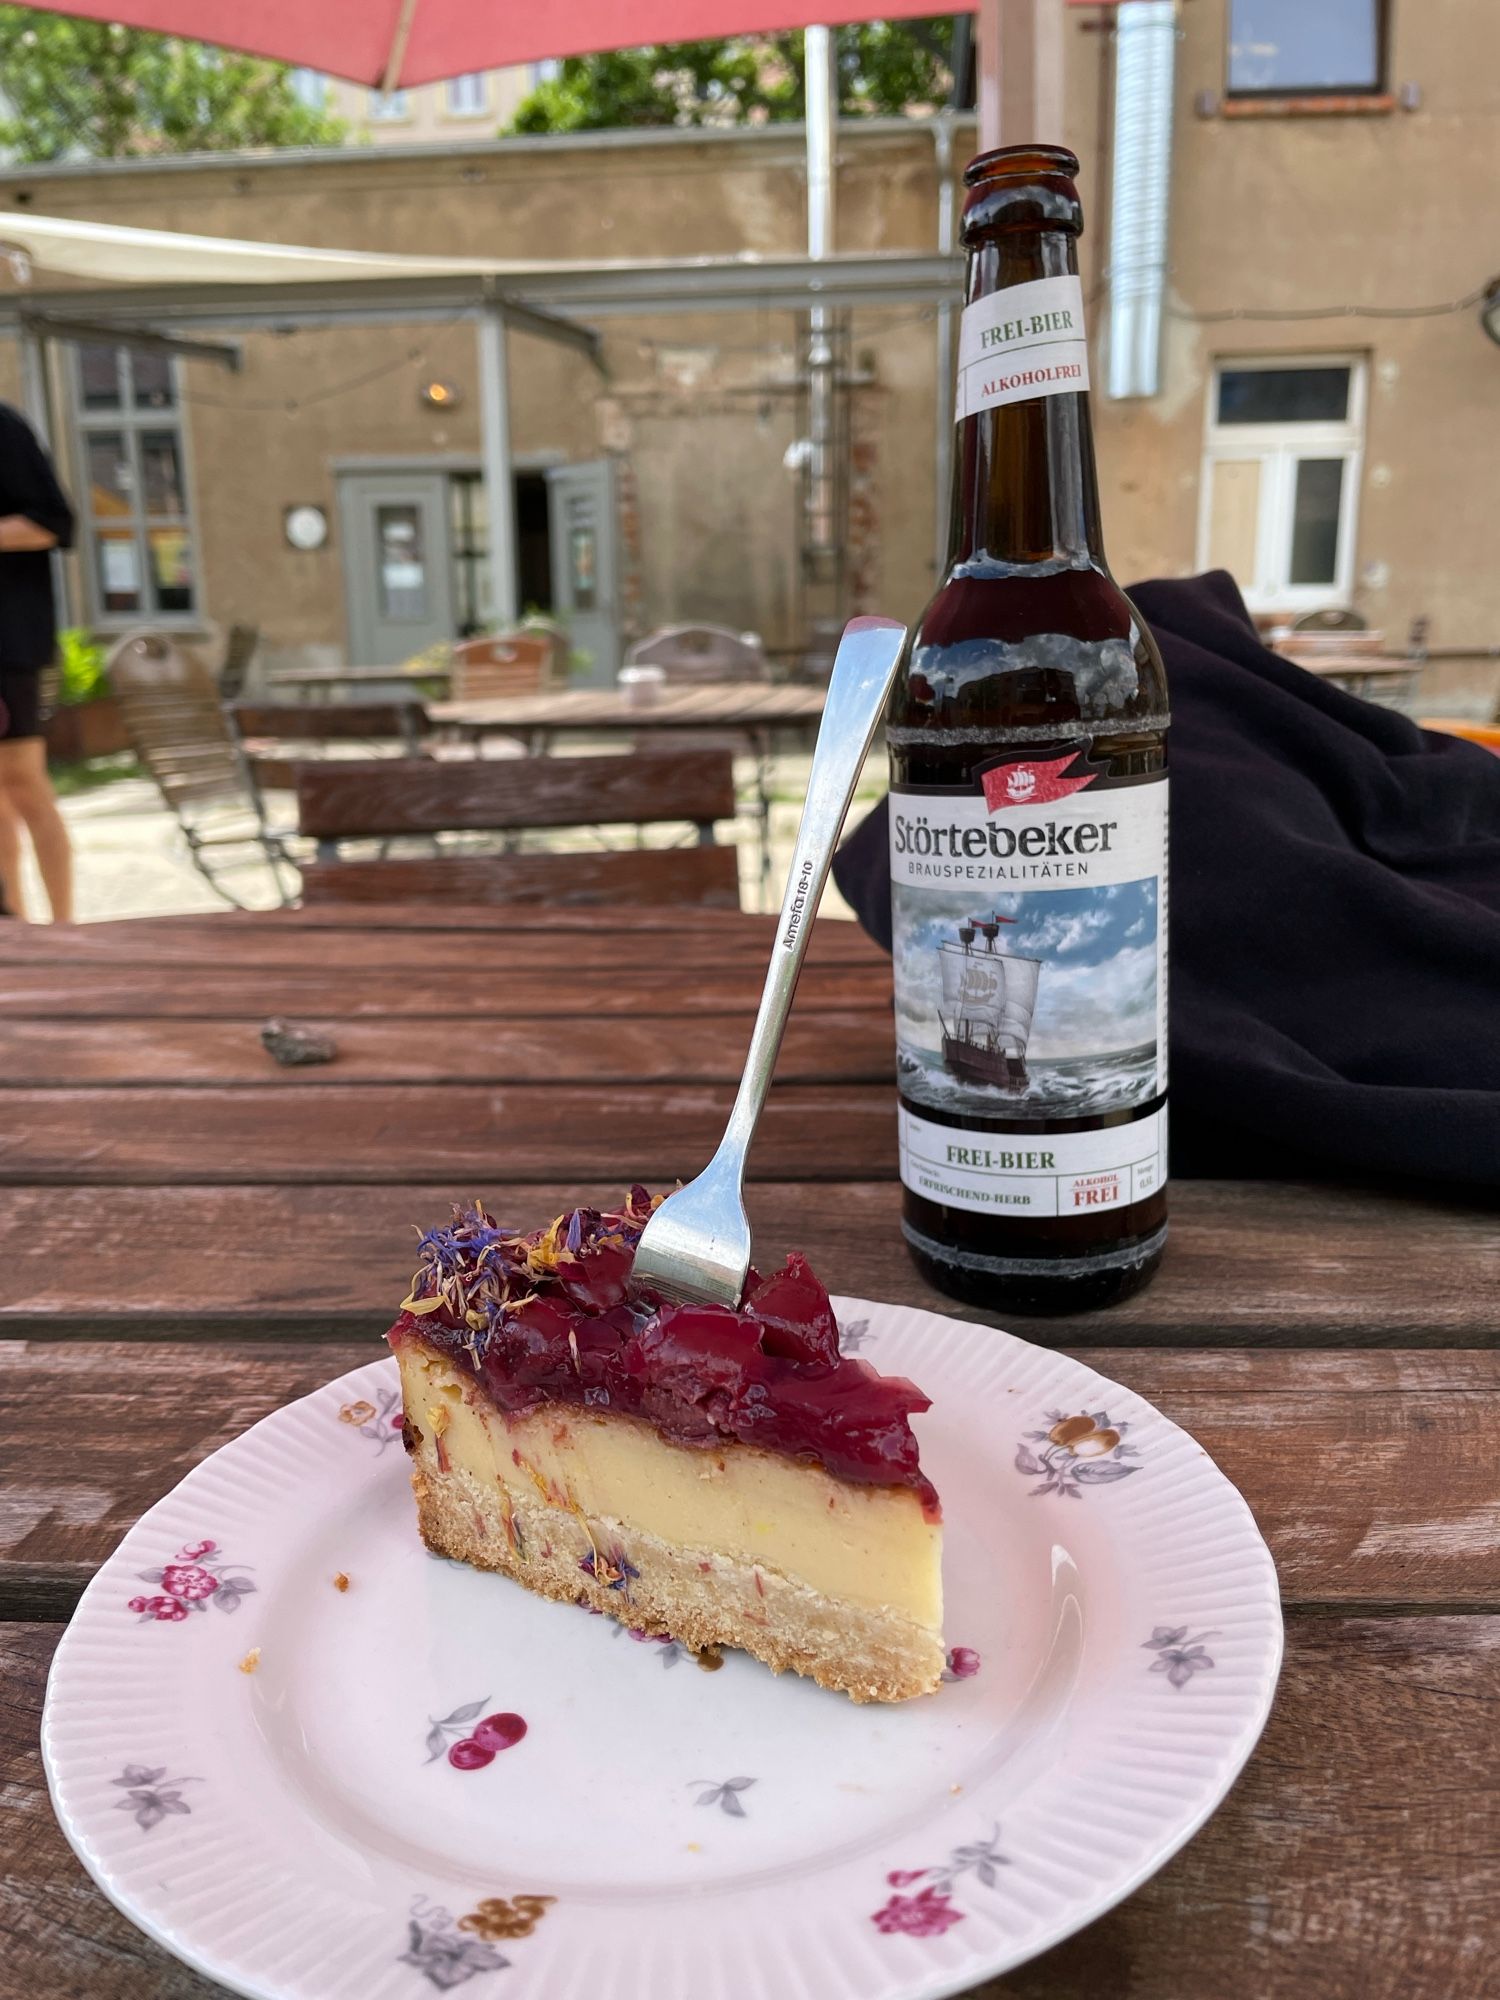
<point>1315,520</point>
<point>161,473</point>
<point>111,483</point>
<point>99,373</point>
<point>171,553</point>
<point>1234,518</point>
<point>403,572</point>
<point>1289,45</point>
<point>1283,395</point>
<point>151,378</point>
<point>388,104</point>
<point>466,94</point>
<point>119,567</point>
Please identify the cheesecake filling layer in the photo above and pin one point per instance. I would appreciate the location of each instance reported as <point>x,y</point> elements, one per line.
<point>871,1546</point>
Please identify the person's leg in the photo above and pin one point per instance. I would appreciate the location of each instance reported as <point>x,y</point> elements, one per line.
<point>12,901</point>
<point>28,791</point>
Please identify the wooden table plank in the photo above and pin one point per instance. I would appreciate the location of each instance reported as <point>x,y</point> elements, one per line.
<point>629,919</point>
<point>500,947</point>
<point>1372,1475</point>
<point>468,1134</point>
<point>846,1047</point>
<point>1248,1263</point>
<point>733,705</point>
<point>1356,1856</point>
<point>142,991</point>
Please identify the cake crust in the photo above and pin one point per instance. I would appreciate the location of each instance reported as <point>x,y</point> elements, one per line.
<point>673,1593</point>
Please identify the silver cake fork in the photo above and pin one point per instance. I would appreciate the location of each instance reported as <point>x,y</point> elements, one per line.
<point>696,1247</point>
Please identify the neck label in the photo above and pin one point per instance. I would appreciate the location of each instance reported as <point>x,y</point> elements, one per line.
<point>1022,343</point>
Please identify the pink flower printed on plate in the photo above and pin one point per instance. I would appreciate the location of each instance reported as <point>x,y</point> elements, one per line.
<point>932,1910</point>
<point>196,1577</point>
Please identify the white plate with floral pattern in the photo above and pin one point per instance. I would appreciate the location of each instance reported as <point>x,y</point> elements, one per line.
<point>425,1779</point>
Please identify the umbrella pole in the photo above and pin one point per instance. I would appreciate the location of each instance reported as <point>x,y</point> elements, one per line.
<point>499,490</point>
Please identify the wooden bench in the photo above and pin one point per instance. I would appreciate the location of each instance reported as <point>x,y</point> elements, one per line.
<point>348,800</point>
<point>261,726</point>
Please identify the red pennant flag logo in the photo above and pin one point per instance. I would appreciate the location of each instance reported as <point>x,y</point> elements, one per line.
<point>1036,782</point>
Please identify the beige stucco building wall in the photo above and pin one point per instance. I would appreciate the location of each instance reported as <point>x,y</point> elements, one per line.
<point>1270,213</point>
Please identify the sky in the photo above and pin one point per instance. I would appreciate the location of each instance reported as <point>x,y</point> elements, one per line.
<point>1097,990</point>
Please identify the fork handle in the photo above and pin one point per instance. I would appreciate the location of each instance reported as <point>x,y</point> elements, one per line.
<point>863,669</point>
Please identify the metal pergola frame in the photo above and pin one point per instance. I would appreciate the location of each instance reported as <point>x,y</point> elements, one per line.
<point>550,302</point>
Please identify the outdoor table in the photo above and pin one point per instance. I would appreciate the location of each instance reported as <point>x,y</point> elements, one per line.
<point>190,1236</point>
<point>327,680</point>
<point>751,709</point>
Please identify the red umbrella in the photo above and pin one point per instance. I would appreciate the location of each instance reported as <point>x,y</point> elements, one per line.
<point>388,43</point>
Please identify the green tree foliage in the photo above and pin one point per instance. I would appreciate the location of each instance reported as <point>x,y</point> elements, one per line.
<point>883,66</point>
<point>106,92</point>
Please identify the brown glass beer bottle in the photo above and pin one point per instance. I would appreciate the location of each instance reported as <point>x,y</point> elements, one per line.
<point>1028,748</point>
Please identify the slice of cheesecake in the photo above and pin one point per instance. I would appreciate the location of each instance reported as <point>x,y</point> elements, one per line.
<point>728,1478</point>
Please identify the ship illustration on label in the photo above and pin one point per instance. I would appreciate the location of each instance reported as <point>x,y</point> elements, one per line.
<point>989,999</point>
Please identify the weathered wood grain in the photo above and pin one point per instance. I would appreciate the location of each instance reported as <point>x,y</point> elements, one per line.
<point>1354,1860</point>
<point>819,1048</point>
<point>705,877</point>
<point>1372,1475</point>
<point>329,721</point>
<point>340,798</point>
<point>529,937</point>
<point>273,924</point>
<point>1250,1263</point>
<point>470,1133</point>
<point>428,986</point>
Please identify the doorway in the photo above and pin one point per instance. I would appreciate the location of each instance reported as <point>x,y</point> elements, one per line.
<point>398,570</point>
<point>416,559</point>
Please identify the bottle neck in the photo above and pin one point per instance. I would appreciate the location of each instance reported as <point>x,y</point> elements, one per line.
<point>1025,489</point>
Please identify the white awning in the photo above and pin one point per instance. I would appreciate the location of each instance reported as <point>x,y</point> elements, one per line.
<point>170,276</point>
<point>110,253</point>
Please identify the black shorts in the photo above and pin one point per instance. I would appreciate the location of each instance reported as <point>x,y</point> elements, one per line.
<point>20,703</point>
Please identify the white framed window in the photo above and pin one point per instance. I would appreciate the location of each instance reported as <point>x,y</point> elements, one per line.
<point>1286,48</point>
<point>140,550</point>
<point>1280,488</point>
<point>467,96</point>
<point>310,88</point>
<point>388,107</point>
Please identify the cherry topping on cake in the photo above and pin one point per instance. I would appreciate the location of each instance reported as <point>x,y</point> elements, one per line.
<point>550,1316</point>
<point>795,1319</point>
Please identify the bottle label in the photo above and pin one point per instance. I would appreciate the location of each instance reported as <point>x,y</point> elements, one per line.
<point>1029,940</point>
<point>1024,342</point>
<point>1049,1173</point>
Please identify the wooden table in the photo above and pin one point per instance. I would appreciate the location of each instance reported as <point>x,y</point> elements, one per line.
<point>190,1235</point>
<point>325,680</point>
<point>752,709</point>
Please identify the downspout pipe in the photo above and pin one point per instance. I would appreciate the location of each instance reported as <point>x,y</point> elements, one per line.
<point>1145,61</point>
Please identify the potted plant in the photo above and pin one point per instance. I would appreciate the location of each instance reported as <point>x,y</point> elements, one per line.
<point>86,721</point>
